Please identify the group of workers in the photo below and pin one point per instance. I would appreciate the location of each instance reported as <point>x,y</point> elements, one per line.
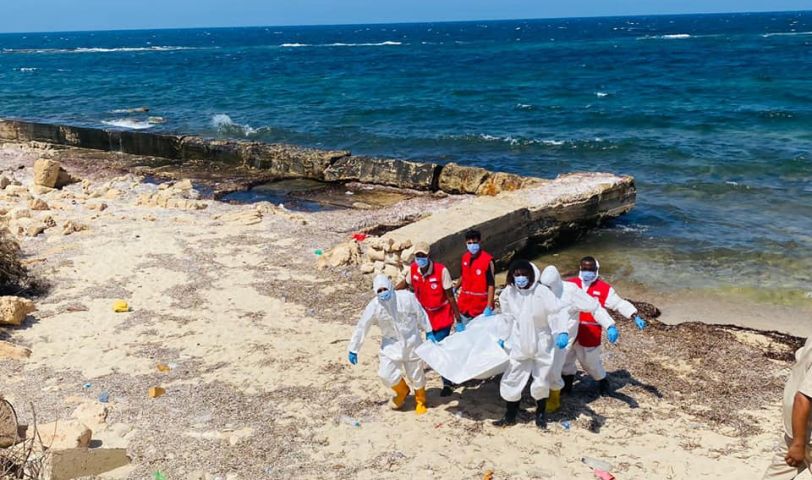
<point>549,324</point>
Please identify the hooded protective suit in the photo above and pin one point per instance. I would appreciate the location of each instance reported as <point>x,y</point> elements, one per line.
<point>574,301</point>
<point>400,319</point>
<point>532,316</point>
<point>589,356</point>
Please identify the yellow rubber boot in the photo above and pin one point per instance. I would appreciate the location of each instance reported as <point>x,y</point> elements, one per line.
<point>401,392</point>
<point>554,402</point>
<point>420,401</point>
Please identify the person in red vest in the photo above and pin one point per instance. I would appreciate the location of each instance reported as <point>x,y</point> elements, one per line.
<point>477,285</point>
<point>431,283</point>
<point>587,348</point>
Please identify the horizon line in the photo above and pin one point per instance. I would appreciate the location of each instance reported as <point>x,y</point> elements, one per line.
<point>410,22</point>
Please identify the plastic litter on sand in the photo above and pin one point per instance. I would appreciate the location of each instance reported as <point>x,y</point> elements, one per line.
<point>120,306</point>
<point>597,464</point>
<point>602,474</point>
<point>565,424</point>
<point>156,392</point>
<point>158,476</point>
<point>104,397</point>
<point>347,420</point>
<point>162,367</point>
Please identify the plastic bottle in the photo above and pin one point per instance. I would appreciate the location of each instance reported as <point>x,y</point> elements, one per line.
<point>599,464</point>
<point>347,420</point>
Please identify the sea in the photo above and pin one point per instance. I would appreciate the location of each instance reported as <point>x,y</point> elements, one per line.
<point>711,114</point>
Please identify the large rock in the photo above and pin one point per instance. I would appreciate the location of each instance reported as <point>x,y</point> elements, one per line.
<point>383,171</point>
<point>67,464</point>
<point>458,179</point>
<point>16,352</point>
<point>499,182</point>
<point>46,172</point>
<point>13,310</point>
<point>286,161</point>
<point>50,174</point>
<point>64,434</point>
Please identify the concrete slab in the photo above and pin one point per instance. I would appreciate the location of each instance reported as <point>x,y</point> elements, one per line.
<point>512,221</point>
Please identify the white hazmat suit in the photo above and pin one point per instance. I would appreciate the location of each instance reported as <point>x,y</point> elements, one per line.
<point>400,319</point>
<point>573,301</point>
<point>532,316</point>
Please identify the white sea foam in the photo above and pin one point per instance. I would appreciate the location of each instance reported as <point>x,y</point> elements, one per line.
<point>671,36</point>
<point>159,48</point>
<point>339,44</point>
<point>128,123</point>
<point>601,94</point>
<point>26,69</point>
<point>785,34</point>
<point>524,106</point>
<point>224,124</point>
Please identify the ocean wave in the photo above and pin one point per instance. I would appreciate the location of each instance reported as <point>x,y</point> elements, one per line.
<point>226,126</point>
<point>525,106</point>
<point>785,34</point>
<point>601,94</point>
<point>26,69</point>
<point>670,36</point>
<point>518,141</point>
<point>161,48</point>
<point>128,123</point>
<point>379,44</point>
<point>130,110</point>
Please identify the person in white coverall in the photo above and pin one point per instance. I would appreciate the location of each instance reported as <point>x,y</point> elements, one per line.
<point>575,301</point>
<point>400,317</point>
<point>587,348</point>
<point>532,315</point>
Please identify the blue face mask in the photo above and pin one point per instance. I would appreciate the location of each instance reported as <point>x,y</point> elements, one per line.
<point>521,281</point>
<point>473,248</point>
<point>385,295</point>
<point>422,262</point>
<point>587,276</point>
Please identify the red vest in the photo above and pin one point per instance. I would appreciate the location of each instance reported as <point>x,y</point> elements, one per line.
<point>431,295</point>
<point>474,284</point>
<point>590,331</point>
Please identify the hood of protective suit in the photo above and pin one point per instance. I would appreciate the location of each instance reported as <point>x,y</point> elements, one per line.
<point>532,287</point>
<point>551,278</point>
<point>391,305</point>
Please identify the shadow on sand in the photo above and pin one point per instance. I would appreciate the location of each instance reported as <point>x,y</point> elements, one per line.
<point>479,400</point>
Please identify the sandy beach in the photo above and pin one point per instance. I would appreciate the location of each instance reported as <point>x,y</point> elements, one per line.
<point>230,297</point>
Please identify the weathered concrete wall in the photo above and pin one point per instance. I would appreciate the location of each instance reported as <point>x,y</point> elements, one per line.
<point>282,161</point>
<point>512,221</point>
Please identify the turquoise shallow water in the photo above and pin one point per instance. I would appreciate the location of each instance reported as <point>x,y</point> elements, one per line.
<point>711,113</point>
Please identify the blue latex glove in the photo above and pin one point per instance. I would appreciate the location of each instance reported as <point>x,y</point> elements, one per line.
<point>431,337</point>
<point>638,320</point>
<point>562,340</point>
<point>501,343</point>
<point>353,358</point>
<point>488,312</point>
<point>612,334</point>
<point>460,327</point>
